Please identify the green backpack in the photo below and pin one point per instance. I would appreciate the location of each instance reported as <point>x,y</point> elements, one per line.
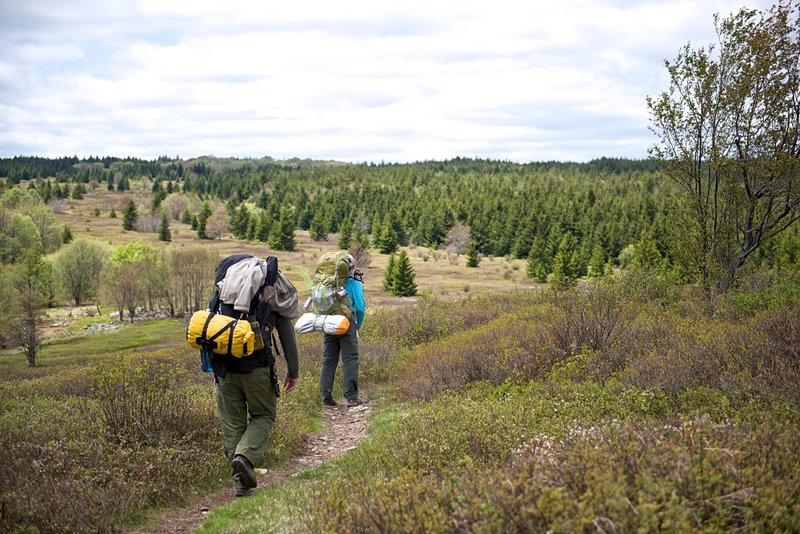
<point>328,296</point>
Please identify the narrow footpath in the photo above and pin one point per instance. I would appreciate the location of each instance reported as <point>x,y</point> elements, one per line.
<point>343,429</point>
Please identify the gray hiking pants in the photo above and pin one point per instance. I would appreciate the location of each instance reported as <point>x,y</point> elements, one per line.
<point>332,345</point>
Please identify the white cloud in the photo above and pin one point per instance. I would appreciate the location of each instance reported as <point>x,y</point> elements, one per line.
<point>353,81</point>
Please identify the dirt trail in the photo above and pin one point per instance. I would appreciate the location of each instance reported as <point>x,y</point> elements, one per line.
<point>343,429</point>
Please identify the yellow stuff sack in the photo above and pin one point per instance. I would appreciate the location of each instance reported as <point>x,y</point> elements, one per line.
<point>220,334</point>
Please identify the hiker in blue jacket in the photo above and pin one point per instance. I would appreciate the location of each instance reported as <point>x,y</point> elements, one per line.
<point>346,345</point>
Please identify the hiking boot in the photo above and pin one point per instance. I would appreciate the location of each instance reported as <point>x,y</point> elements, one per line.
<point>243,471</point>
<point>329,402</point>
<point>241,491</point>
<point>353,402</point>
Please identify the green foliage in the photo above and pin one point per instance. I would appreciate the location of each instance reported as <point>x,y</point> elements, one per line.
<point>147,402</point>
<point>645,253</point>
<point>130,253</point>
<point>129,215</point>
<point>202,220</point>
<point>607,202</point>
<point>766,291</point>
<point>473,256</point>
<point>66,235</point>
<point>57,426</point>
<point>597,262</point>
<point>19,235</point>
<point>536,458</point>
<point>78,268</point>
<point>26,224</point>
<point>31,283</point>
<point>345,234</point>
<point>626,256</point>
<point>386,237</point>
<point>164,233</point>
<point>717,126</point>
<point>538,261</point>
<point>399,278</point>
<point>282,236</point>
<point>141,428</point>
<point>318,230</point>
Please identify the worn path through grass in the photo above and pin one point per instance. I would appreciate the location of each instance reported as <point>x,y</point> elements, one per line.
<point>343,429</point>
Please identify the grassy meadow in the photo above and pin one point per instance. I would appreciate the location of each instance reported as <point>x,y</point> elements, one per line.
<point>626,405</point>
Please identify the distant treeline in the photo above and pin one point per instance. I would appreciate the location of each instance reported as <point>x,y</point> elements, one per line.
<point>594,214</point>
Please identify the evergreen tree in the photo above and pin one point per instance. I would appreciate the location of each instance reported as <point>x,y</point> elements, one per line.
<point>537,260</point>
<point>252,226</point>
<point>164,233</point>
<point>564,274</point>
<point>240,221</point>
<point>66,235</point>
<point>560,279</point>
<point>262,228</point>
<point>202,220</point>
<point>158,198</point>
<point>403,284</point>
<point>386,240</point>
<point>317,230</point>
<point>345,234</point>
<point>112,214</point>
<point>263,200</point>
<point>597,262</point>
<point>282,236</point>
<point>129,215</point>
<point>186,217</point>
<point>646,254</point>
<point>78,192</point>
<point>473,256</point>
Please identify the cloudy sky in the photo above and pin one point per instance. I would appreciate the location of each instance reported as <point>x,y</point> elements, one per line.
<point>519,80</point>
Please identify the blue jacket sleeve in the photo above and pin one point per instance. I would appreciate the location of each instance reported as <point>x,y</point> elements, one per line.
<point>356,293</point>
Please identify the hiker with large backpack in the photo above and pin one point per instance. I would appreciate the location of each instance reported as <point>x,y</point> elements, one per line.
<point>338,290</point>
<point>247,290</point>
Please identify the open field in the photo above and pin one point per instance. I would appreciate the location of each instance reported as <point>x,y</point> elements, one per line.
<point>437,271</point>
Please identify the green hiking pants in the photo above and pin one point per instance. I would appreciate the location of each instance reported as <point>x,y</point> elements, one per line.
<point>247,407</point>
<point>347,345</point>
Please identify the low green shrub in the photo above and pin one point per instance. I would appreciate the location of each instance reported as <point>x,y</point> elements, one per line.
<point>431,319</point>
<point>512,346</point>
<point>97,447</point>
<point>582,458</point>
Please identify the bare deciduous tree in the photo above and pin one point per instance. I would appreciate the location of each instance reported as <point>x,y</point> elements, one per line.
<point>217,224</point>
<point>458,238</point>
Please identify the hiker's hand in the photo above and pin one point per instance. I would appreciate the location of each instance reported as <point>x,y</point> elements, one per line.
<point>289,384</point>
